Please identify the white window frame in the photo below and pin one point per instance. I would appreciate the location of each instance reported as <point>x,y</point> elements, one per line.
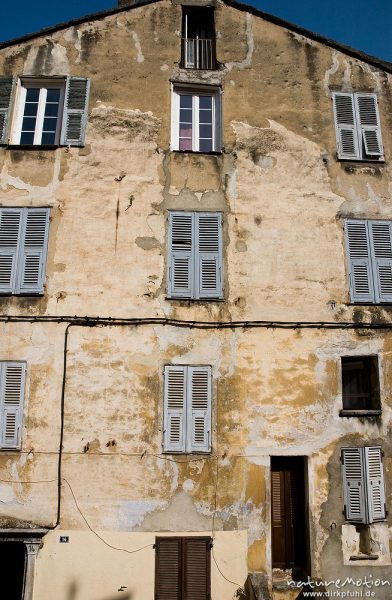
<point>196,92</point>
<point>23,85</point>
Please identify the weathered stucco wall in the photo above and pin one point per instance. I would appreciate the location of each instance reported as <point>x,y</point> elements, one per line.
<point>284,196</point>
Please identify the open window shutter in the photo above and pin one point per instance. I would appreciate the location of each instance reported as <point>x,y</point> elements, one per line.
<point>196,568</point>
<point>35,244</point>
<point>369,124</point>
<point>359,259</point>
<point>181,254</point>
<point>209,254</point>
<point>375,484</point>
<point>174,409</point>
<point>199,409</point>
<point>278,519</point>
<point>168,569</point>
<point>381,246</point>
<point>354,484</point>
<point>12,393</point>
<point>346,134</point>
<point>75,111</point>
<point>10,229</point>
<point>7,87</point>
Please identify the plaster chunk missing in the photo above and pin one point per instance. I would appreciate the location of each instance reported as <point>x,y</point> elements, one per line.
<point>128,124</point>
<point>257,139</point>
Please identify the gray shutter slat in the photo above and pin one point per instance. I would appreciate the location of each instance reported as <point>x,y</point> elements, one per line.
<point>7,89</point>
<point>199,409</point>
<point>34,252</point>
<point>359,260</point>
<point>181,252</point>
<point>345,126</point>
<point>74,124</point>
<point>369,124</point>
<point>209,255</point>
<point>381,248</point>
<point>174,424</point>
<point>354,484</point>
<point>12,378</point>
<point>10,228</point>
<point>375,484</point>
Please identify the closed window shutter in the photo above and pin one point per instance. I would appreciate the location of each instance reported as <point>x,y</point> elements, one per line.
<point>181,255</point>
<point>369,124</point>
<point>209,255</point>
<point>354,485</point>
<point>196,568</point>
<point>359,259</point>
<point>10,228</point>
<point>375,484</point>
<point>199,409</point>
<point>174,424</point>
<point>345,125</point>
<point>7,88</point>
<point>168,569</point>
<point>74,124</point>
<point>12,377</point>
<point>34,251</point>
<point>381,246</point>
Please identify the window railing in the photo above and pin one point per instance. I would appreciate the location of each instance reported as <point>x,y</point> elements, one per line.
<point>198,53</point>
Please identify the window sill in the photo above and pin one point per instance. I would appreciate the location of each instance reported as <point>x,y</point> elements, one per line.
<point>191,454</point>
<point>195,299</point>
<point>32,147</point>
<point>22,295</point>
<point>359,413</point>
<point>355,557</point>
<point>362,161</point>
<point>211,153</point>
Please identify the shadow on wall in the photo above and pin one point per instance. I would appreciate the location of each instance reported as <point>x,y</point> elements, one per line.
<point>73,594</point>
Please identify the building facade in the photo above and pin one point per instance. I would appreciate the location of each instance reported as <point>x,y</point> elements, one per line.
<point>195,291</point>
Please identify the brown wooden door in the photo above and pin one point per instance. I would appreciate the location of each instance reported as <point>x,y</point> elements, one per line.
<point>289,538</point>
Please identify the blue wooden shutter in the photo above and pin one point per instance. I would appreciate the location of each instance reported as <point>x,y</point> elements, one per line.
<point>12,377</point>
<point>359,261</point>
<point>10,233</point>
<point>34,250</point>
<point>209,255</point>
<point>354,484</point>
<point>369,124</point>
<point>74,124</point>
<point>7,89</point>
<point>345,125</point>
<point>181,255</point>
<point>381,248</point>
<point>376,507</point>
<point>174,411</point>
<point>199,409</point>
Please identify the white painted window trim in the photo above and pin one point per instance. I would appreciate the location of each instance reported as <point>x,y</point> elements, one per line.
<point>43,84</point>
<point>196,92</point>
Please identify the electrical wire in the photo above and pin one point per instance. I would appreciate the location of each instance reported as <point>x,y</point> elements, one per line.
<point>97,534</point>
<point>224,577</point>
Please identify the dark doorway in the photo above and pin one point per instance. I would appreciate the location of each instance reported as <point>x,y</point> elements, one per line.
<point>288,514</point>
<point>12,560</point>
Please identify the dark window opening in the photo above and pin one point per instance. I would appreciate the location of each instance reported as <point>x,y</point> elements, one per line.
<point>360,384</point>
<point>182,568</point>
<point>288,515</point>
<point>12,560</point>
<point>198,38</point>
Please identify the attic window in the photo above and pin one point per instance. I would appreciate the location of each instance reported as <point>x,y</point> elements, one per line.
<point>198,38</point>
<point>360,385</point>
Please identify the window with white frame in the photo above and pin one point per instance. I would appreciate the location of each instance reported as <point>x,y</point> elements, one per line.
<point>23,249</point>
<point>369,252</point>
<point>196,119</point>
<point>357,126</point>
<point>43,112</point>
<point>12,382</point>
<point>363,484</point>
<point>195,261</point>
<point>187,408</point>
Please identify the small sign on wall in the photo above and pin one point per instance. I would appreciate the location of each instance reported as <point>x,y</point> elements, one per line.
<point>64,539</point>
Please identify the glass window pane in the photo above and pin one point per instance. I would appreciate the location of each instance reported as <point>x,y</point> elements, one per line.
<point>53,95</point>
<point>185,115</point>
<point>185,101</point>
<point>51,110</point>
<point>50,124</point>
<point>48,138</point>
<point>27,138</point>
<point>185,131</point>
<point>205,145</point>
<point>29,124</point>
<point>185,144</point>
<point>32,94</point>
<point>205,102</point>
<point>30,110</point>
<point>205,116</point>
<point>205,131</point>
